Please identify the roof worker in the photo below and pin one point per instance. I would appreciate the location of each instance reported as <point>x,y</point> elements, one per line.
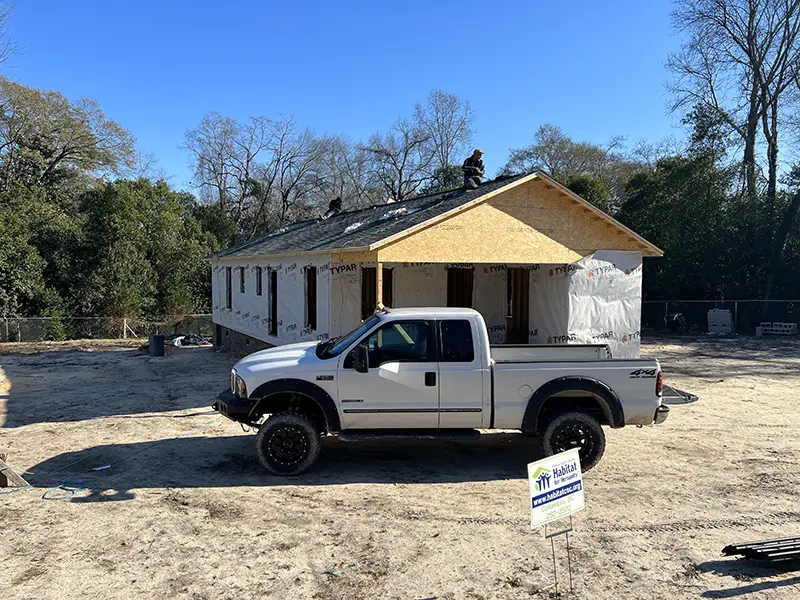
<point>473,169</point>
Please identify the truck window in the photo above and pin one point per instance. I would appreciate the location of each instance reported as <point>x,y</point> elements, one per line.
<point>457,343</point>
<point>400,341</point>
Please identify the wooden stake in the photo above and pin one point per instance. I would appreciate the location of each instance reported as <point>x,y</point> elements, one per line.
<point>8,474</point>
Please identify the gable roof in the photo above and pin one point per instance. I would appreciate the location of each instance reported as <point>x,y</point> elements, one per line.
<point>376,226</point>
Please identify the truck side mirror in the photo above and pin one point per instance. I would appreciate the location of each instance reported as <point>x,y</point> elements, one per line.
<point>361,359</point>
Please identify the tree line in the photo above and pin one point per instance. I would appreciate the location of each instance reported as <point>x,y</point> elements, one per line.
<point>88,228</point>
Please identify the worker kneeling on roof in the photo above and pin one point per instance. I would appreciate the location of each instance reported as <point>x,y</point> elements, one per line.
<point>473,169</point>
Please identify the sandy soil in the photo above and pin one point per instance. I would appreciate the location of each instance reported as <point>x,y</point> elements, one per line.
<point>188,513</point>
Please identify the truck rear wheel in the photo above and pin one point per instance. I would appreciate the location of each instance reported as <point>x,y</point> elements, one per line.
<point>575,430</point>
<point>288,443</point>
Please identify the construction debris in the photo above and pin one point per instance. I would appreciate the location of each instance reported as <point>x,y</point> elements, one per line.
<point>785,549</point>
<point>190,340</point>
<point>8,475</point>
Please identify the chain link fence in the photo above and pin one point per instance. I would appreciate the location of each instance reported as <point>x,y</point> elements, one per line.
<point>36,329</point>
<point>746,314</point>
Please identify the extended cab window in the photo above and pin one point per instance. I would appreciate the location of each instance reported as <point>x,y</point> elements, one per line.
<point>457,343</point>
<point>400,341</point>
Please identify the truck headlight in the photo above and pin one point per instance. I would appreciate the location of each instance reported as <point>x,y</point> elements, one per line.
<point>240,388</point>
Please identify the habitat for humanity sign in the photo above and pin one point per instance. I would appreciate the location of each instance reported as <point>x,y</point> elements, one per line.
<point>556,487</point>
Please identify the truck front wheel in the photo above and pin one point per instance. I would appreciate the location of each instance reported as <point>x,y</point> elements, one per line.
<point>575,430</point>
<point>287,443</point>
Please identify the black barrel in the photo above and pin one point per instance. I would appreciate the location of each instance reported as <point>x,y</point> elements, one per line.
<point>156,345</point>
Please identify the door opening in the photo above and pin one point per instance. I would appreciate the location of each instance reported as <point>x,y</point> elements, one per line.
<point>517,298</point>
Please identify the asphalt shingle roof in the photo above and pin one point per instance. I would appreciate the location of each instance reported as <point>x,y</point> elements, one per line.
<point>360,228</point>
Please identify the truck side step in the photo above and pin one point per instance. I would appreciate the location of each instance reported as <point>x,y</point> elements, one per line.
<point>363,435</point>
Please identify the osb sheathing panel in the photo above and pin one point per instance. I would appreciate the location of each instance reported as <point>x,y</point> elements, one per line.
<point>530,223</point>
<point>345,257</point>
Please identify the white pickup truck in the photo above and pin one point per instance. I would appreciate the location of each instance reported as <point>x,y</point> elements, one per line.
<point>431,372</point>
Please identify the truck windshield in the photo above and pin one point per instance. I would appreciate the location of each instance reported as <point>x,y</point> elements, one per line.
<point>335,346</point>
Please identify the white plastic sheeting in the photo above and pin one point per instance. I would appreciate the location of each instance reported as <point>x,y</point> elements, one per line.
<point>605,301</point>
<point>250,313</point>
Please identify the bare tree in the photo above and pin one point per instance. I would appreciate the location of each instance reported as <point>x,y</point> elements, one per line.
<point>739,58</point>
<point>7,44</point>
<point>344,171</point>
<point>297,159</point>
<point>740,61</point>
<point>447,122</point>
<point>225,158</point>
<point>556,153</point>
<point>401,159</point>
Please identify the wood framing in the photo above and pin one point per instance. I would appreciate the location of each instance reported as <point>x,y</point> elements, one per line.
<point>378,284</point>
<point>357,255</point>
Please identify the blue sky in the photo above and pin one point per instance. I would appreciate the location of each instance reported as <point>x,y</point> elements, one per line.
<point>594,68</point>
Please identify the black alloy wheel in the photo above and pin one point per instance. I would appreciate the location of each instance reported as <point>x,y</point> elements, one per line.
<point>288,443</point>
<point>575,430</point>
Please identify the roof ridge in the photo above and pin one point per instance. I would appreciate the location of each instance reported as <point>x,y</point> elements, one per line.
<point>441,192</point>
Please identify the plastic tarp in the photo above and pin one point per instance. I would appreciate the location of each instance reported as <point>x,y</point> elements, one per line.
<point>605,301</point>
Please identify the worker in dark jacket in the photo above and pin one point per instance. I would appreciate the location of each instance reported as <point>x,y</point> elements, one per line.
<point>473,169</point>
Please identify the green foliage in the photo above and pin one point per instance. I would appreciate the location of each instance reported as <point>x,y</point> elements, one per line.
<point>590,189</point>
<point>446,178</point>
<point>685,206</point>
<point>144,251</point>
<point>21,267</point>
<point>214,219</point>
<point>56,330</point>
<point>71,242</point>
<point>47,139</point>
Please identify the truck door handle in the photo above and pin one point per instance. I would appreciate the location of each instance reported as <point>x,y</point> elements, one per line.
<point>430,378</point>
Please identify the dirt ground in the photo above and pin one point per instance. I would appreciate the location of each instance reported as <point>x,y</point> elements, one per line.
<point>185,511</point>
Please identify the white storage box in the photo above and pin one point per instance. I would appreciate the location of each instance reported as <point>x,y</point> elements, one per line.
<point>719,321</point>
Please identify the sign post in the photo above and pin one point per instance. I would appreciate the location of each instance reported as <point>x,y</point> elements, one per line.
<point>556,485</point>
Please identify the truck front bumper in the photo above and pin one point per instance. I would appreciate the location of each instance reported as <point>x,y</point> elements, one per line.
<point>662,412</point>
<point>232,407</point>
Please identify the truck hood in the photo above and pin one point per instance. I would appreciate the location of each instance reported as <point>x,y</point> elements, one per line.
<point>265,364</point>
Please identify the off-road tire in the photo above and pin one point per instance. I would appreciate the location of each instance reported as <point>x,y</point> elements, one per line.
<point>575,430</point>
<point>288,443</point>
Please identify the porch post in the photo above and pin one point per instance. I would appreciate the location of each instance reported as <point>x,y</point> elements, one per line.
<point>378,284</point>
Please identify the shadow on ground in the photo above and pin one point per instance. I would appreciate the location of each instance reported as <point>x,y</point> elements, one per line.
<point>230,461</point>
<point>770,576</point>
<point>84,385</point>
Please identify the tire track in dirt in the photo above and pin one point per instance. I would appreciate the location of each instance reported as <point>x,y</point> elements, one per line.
<point>777,518</point>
